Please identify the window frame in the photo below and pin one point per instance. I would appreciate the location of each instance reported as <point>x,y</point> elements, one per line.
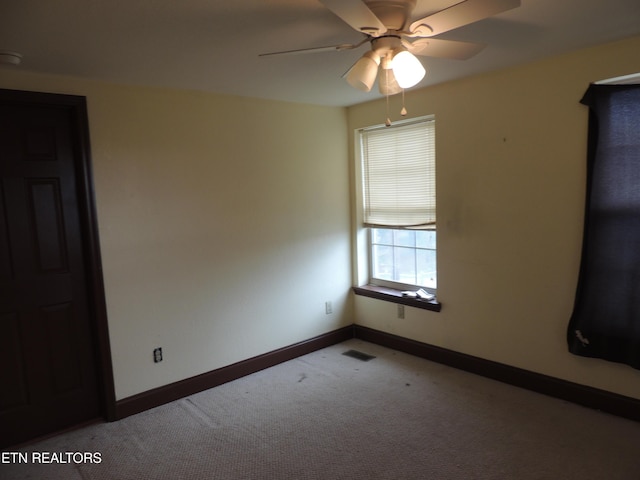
<point>391,283</point>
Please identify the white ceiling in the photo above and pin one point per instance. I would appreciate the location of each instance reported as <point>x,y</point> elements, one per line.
<point>213,45</point>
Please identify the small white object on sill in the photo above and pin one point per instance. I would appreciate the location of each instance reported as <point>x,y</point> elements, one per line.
<point>422,294</point>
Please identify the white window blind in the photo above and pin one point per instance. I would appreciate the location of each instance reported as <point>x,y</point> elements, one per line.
<point>398,165</point>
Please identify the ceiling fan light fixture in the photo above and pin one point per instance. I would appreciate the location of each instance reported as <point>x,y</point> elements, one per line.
<point>363,73</point>
<point>387,83</point>
<point>407,69</point>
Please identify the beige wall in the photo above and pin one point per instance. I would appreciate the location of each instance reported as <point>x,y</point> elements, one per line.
<point>224,224</point>
<point>511,153</point>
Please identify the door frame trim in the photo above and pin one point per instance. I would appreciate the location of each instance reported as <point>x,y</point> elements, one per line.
<point>77,108</point>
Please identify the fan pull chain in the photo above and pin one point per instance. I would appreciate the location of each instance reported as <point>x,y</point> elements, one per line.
<point>388,121</point>
<point>403,112</point>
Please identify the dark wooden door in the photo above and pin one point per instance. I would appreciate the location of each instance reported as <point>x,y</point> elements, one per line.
<point>48,361</point>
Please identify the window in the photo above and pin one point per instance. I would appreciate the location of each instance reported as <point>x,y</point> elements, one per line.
<point>404,256</point>
<point>399,203</point>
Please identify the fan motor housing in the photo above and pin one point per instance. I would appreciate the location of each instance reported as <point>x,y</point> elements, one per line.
<point>394,14</point>
<point>385,44</point>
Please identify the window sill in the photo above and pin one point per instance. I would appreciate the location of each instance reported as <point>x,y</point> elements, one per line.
<point>395,296</point>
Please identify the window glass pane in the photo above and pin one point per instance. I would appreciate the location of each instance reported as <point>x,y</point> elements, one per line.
<point>382,235</point>
<point>404,238</point>
<point>405,265</point>
<point>426,239</point>
<point>426,268</point>
<point>404,256</point>
<point>382,262</point>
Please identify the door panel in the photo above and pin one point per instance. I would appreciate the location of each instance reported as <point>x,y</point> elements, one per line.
<point>49,368</point>
<point>13,380</point>
<point>45,212</point>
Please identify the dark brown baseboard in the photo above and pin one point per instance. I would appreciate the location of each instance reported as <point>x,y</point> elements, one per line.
<point>168,393</point>
<point>603,400</point>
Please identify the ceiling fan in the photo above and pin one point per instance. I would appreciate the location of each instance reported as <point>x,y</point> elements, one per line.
<point>387,26</point>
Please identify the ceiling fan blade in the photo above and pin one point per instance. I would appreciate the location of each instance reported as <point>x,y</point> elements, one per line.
<point>458,15</point>
<point>439,48</point>
<point>330,48</point>
<point>356,14</point>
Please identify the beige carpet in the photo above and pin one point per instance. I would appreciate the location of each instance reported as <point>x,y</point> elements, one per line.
<point>330,416</point>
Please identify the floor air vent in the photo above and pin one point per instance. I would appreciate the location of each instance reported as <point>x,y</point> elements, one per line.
<point>359,355</point>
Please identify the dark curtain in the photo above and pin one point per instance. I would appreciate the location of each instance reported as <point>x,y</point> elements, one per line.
<point>606,318</point>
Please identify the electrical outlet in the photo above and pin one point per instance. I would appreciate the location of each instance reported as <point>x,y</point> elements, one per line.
<point>400,311</point>
<point>157,355</point>
<point>328,308</point>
